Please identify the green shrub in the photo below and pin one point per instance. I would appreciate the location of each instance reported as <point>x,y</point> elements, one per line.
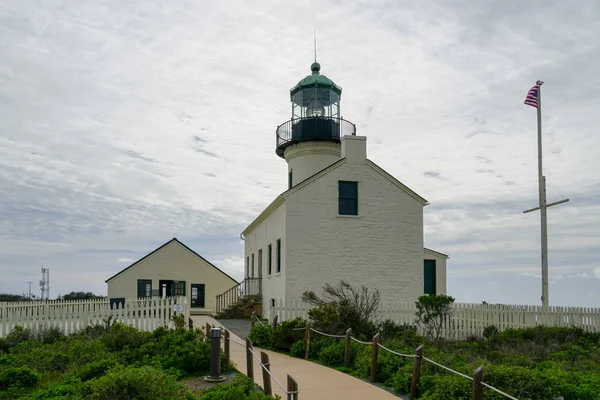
<point>490,331</point>
<point>70,389</point>
<point>285,334</point>
<point>120,336</point>
<point>94,370</point>
<point>260,335</point>
<point>18,377</point>
<point>145,383</point>
<point>18,335</point>
<point>432,311</point>
<point>179,321</point>
<point>298,349</point>
<point>332,355</point>
<point>445,387</point>
<point>389,330</point>
<point>241,388</point>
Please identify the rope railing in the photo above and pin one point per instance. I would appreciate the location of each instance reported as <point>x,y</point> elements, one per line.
<point>498,391</point>
<point>446,368</point>
<point>359,341</point>
<point>395,352</point>
<point>327,334</point>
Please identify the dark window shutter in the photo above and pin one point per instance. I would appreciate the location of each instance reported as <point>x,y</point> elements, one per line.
<point>201,295</point>
<point>429,272</point>
<point>270,260</point>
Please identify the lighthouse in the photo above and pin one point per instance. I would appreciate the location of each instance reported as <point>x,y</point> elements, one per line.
<point>310,140</point>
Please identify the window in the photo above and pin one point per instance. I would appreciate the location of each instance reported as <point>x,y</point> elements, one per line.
<point>348,198</point>
<point>198,294</point>
<point>252,273</point>
<point>260,263</point>
<point>290,179</point>
<point>429,277</point>
<point>144,288</point>
<point>269,259</point>
<point>278,255</point>
<point>178,288</point>
<point>248,267</point>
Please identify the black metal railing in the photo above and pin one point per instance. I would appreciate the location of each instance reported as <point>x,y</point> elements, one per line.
<point>312,129</point>
<point>247,287</point>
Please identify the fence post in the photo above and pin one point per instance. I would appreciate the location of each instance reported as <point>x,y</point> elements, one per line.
<point>292,388</point>
<point>249,361</point>
<point>416,374</point>
<point>374,353</point>
<point>207,330</point>
<point>264,360</point>
<point>477,386</point>
<point>347,348</point>
<point>307,340</point>
<point>227,351</point>
<point>275,322</point>
<point>252,318</point>
<point>190,323</point>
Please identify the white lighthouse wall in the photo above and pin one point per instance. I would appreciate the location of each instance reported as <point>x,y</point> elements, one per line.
<point>381,248</point>
<point>307,158</point>
<point>266,232</point>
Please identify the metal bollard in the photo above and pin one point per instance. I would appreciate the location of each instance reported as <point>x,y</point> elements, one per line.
<point>215,356</point>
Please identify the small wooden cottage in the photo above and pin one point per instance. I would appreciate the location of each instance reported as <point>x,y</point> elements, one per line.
<point>173,269</point>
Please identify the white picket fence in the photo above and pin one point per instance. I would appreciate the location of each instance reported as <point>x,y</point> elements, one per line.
<point>469,319</point>
<point>69,316</point>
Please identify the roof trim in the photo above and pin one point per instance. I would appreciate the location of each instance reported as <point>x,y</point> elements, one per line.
<point>281,198</point>
<point>396,182</point>
<point>436,253</point>
<point>163,246</point>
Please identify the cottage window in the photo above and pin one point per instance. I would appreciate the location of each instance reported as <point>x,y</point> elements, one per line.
<point>348,198</point>
<point>144,288</point>
<point>179,288</point>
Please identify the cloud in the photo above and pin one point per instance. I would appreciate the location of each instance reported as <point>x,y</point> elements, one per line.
<point>124,125</point>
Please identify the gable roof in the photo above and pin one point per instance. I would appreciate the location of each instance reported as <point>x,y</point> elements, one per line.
<point>163,246</point>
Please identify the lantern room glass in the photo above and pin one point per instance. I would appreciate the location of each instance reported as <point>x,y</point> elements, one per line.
<point>315,102</point>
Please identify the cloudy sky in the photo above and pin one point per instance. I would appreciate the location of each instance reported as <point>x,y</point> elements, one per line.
<point>124,124</point>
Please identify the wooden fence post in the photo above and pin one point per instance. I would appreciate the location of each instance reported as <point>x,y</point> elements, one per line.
<point>416,374</point>
<point>347,348</point>
<point>227,350</point>
<point>207,330</point>
<point>275,322</point>
<point>264,359</point>
<point>249,361</point>
<point>477,386</point>
<point>307,340</point>
<point>252,318</point>
<point>374,353</point>
<point>292,386</point>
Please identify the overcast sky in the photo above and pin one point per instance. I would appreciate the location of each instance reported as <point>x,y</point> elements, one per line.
<point>124,124</point>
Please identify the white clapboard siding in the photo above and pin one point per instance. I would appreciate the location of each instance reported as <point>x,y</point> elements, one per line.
<point>70,316</point>
<point>469,320</point>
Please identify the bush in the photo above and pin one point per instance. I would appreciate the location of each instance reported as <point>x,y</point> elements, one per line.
<point>18,377</point>
<point>260,335</point>
<point>341,307</point>
<point>94,369</point>
<point>18,335</point>
<point>284,335</point>
<point>120,336</point>
<point>389,330</point>
<point>145,383</point>
<point>432,311</point>
<point>333,354</point>
<point>298,349</point>
<point>241,388</point>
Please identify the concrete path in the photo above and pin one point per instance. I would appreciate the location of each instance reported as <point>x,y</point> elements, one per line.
<point>315,381</point>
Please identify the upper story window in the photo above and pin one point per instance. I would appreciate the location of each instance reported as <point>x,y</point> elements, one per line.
<point>348,198</point>
<point>252,270</point>
<point>248,267</point>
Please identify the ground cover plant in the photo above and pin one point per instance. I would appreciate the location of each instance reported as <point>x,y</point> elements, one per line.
<point>111,361</point>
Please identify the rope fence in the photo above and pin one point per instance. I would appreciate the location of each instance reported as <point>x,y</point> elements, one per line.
<point>498,391</point>
<point>446,368</point>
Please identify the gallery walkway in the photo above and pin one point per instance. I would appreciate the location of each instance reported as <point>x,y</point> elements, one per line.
<point>315,381</point>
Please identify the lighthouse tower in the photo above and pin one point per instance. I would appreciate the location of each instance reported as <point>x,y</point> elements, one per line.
<point>310,141</point>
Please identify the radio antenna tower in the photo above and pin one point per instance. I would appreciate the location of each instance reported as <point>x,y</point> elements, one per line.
<point>45,284</point>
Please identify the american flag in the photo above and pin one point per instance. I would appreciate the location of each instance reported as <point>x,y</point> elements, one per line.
<point>532,95</point>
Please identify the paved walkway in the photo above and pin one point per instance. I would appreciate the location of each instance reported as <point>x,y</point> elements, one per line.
<point>315,381</point>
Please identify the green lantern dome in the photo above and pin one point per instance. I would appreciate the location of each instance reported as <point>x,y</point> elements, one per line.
<point>315,80</point>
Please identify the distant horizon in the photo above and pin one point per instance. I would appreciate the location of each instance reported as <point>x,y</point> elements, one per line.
<point>125,125</point>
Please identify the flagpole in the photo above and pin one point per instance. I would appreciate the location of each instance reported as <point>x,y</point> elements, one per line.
<point>542,204</point>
